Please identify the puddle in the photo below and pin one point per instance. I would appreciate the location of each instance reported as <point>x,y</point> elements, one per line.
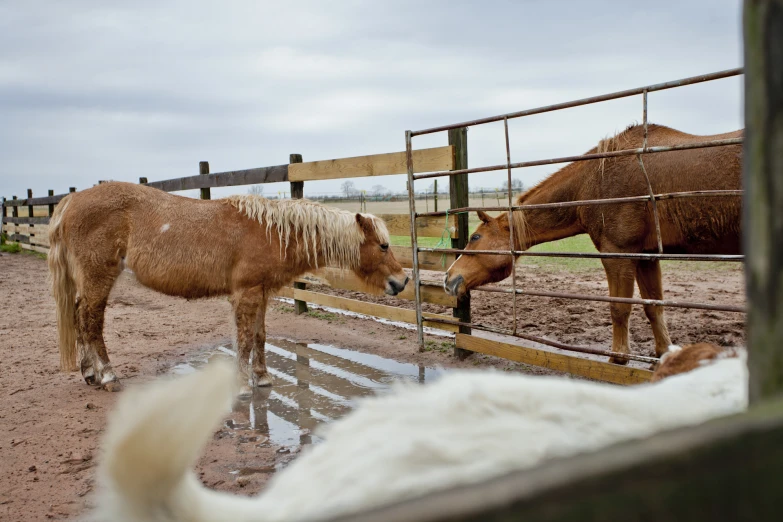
<point>313,384</point>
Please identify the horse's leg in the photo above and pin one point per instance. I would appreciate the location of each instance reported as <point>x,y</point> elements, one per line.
<point>261,376</point>
<point>93,357</point>
<point>246,304</point>
<point>620,274</point>
<point>648,275</point>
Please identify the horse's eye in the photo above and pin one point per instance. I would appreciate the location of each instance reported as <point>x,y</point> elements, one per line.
<point>475,237</point>
<point>385,247</point>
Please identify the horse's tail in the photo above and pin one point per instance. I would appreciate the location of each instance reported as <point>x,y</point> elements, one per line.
<point>154,437</point>
<point>63,288</point>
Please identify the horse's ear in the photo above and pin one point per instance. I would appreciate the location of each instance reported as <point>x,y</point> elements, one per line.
<point>363,222</point>
<point>483,216</point>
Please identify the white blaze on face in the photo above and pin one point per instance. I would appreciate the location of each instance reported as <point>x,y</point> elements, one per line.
<point>164,228</point>
<point>446,275</point>
<point>454,263</point>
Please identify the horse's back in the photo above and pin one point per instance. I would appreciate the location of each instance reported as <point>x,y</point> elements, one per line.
<point>175,245</point>
<point>693,225</point>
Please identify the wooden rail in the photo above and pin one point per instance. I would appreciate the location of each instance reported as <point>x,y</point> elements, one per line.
<point>575,365</point>
<point>424,160</point>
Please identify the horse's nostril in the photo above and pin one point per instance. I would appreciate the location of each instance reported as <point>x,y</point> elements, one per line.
<point>406,281</point>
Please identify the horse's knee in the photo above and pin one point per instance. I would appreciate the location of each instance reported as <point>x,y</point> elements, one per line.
<point>620,313</point>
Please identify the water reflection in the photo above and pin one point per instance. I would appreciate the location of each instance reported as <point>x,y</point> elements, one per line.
<point>313,384</point>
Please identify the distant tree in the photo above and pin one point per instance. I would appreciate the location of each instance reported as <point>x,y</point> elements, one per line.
<point>516,185</point>
<point>379,190</point>
<point>256,190</point>
<point>443,187</point>
<point>348,188</point>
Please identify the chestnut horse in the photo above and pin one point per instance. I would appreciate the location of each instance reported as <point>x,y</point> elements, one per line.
<point>688,225</point>
<point>247,247</point>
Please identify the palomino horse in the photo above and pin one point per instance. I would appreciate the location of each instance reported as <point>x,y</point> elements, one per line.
<point>688,225</point>
<point>245,246</point>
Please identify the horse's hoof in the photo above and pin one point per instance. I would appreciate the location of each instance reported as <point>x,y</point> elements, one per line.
<point>618,360</point>
<point>245,391</point>
<point>263,380</point>
<point>90,379</point>
<point>112,386</point>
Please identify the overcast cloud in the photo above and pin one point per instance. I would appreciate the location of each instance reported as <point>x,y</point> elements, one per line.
<point>93,89</point>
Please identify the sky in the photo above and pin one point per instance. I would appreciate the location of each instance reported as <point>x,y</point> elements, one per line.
<point>102,89</point>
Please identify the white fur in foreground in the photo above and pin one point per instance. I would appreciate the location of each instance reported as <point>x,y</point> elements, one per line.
<point>464,428</point>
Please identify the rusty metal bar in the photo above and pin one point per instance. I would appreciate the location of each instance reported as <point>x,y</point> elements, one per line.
<point>511,230</point>
<point>594,255</point>
<point>587,157</point>
<point>606,299</point>
<point>414,240</point>
<point>549,342</point>
<point>586,101</point>
<point>585,202</point>
<point>647,178</point>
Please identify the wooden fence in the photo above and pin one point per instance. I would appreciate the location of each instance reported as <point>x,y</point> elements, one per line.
<point>26,221</point>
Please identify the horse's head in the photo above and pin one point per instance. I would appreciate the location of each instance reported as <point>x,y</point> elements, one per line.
<point>377,265</point>
<point>470,271</point>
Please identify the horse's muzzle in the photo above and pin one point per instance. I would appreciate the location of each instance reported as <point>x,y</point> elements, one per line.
<point>452,286</point>
<point>394,287</point>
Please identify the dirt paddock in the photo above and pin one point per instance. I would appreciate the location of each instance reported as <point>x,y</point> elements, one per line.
<point>51,423</point>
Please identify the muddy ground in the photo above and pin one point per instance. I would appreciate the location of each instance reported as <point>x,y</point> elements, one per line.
<point>51,423</point>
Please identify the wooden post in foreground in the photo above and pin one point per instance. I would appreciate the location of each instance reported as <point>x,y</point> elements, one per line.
<point>297,192</point>
<point>203,168</point>
<point>763,203</point>
<point>29,207</point>
<point>458,192</point>
<point>51,205</point>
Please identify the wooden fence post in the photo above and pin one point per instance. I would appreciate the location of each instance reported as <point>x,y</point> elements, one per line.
<point>142,181</point>
<point>51,205</point>
<point>458,192</point>
<point>297,192</point>
<point>203,168</point>
<point>763,183</point>
<point>72,190</point>
<point>29,207</point>
<point>435,195</point>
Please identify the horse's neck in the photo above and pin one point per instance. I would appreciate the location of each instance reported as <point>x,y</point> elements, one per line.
<point>544,225</point>
<point>316,260</point>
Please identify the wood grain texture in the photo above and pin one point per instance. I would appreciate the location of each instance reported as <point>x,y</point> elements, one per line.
<point>427,260</point>
<point>427,226</point>
<point>424,160</point>
<point>47,200</point>
<point>360,307</point>
<point>39,249</point>
<point>27,220</point>
<point>224,179</point>
<point>763,199</point>
<point>598,370</point>
<point>347,280</point>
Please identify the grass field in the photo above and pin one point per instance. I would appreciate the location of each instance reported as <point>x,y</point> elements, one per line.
<point>580,243</point>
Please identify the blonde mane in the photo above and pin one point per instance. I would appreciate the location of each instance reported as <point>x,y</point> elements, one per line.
<point>332,232</point>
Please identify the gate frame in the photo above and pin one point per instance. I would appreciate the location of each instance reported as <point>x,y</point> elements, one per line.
<point>461,173</point>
